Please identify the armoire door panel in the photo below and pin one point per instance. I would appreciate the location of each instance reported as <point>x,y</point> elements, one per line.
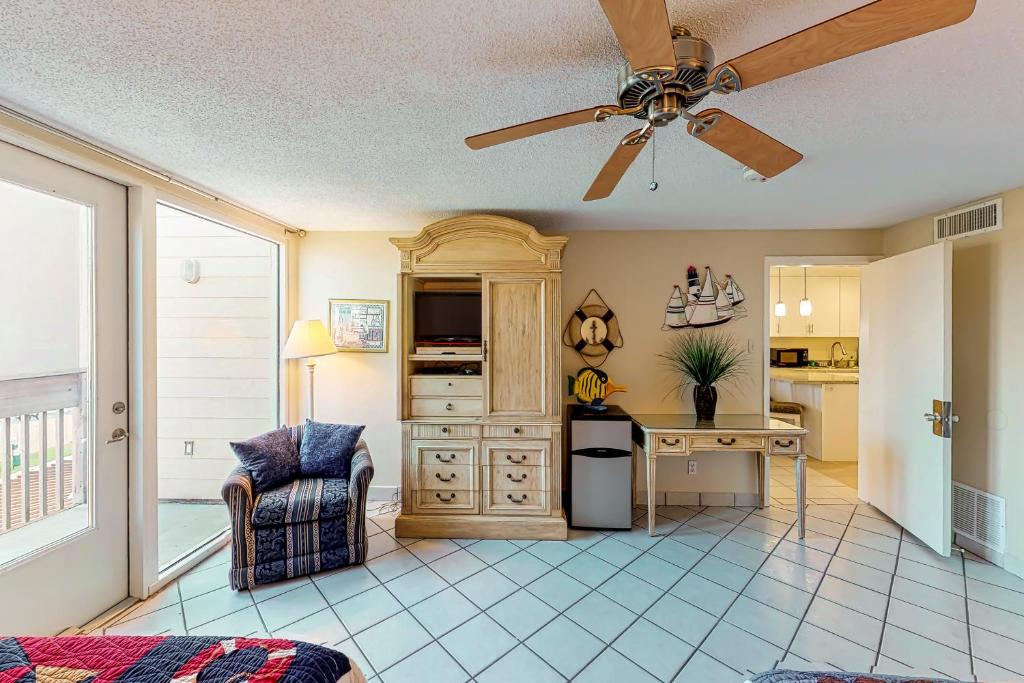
<point>514,315</point>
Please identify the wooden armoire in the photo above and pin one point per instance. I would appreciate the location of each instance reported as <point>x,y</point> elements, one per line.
<point>481,430</point>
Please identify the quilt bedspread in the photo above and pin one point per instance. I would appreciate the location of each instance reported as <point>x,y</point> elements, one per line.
<point>170,659</point>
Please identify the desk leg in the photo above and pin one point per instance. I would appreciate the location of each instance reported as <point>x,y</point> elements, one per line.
<point>764,465</point>
<point>652,494</point>
<point>801,491</point>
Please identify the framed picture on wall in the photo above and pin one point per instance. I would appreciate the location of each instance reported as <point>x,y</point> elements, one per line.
<point>359,324</point>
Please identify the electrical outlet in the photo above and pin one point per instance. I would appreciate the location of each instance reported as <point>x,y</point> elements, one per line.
<point>190,447</point>
<point>691,467</point>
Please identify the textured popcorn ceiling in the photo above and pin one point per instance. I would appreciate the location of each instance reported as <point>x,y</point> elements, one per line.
<point>350,114</point>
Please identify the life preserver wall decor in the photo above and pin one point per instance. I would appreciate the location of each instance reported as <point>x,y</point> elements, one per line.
<point>704,304</point>
<point>593,330</point>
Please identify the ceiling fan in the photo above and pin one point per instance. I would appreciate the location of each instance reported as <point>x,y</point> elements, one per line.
<point>668,71</point>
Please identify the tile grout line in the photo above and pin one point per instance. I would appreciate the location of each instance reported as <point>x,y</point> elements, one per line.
<point>888,601</point>
<point>814,595</point>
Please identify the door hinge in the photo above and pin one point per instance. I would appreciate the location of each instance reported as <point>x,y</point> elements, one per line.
<point>485,350</point>
<point>942,418</point>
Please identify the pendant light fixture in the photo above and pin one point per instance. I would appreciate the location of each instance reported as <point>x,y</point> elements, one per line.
<point>805,303</point>
<point>780,305</point>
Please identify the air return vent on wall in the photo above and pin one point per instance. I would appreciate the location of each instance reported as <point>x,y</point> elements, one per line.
<point>979,516</point>
<point>976,218</point>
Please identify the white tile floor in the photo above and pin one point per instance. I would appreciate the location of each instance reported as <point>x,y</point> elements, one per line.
<point>726,592</point>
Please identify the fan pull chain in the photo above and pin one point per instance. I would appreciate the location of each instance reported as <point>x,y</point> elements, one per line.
<point>654,147</point>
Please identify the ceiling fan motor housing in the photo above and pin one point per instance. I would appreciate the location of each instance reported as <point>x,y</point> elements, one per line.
<point>694,60</point>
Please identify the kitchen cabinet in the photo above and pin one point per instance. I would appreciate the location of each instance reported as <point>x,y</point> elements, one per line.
<point>849,306</point>
<point>835,306</point>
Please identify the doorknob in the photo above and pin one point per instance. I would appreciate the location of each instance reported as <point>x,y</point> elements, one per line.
<point>118,434</point>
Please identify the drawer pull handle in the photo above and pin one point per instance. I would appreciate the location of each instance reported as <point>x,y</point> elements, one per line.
<point>784,445</point>
<point>520,480</point>
<point>674,442</point>
<point>444,430</point>
<point>516,430</point>
<point>449,499</point>
<point>451,478</point>
<point>449,406</point>
<point>520,461</point>
<point>727,442</point>
<point>450,458</point>
<point>521,499</point>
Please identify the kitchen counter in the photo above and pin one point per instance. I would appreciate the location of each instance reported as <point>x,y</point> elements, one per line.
<point>817,375</point>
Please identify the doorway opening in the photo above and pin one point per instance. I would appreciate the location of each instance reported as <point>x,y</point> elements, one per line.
<point>218,375</point>
<point>812,369</point>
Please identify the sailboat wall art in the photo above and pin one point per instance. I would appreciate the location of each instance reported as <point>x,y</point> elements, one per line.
<point>703,304</point>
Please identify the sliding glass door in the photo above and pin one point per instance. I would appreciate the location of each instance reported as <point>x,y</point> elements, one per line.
<point>217,369</point>
<point>63,394</point>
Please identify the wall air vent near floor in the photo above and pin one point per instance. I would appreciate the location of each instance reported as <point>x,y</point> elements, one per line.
<point>979,516</point>
<point>984,216</point>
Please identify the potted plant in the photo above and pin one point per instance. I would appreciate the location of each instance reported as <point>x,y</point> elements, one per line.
<point>703,359</point>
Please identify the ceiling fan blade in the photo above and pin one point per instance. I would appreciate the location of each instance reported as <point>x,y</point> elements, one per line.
<point>525,130</point>
<point>613,170</point>
<point>744,143</point>
<point>876,24</point>
<point>643,31</point>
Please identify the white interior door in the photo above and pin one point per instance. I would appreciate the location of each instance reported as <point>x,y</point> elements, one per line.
<point>905,364</point>
<point>63,389</point>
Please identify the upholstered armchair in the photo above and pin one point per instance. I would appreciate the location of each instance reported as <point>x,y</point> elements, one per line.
<point>301,527</point>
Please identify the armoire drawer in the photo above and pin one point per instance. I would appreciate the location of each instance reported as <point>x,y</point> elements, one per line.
<point>440,453</point>
<point>445,502</point>
<point>446,407</point>
<point>471,387</point>
<point>526,457</point>
<point>499,478</point>
<point>725,443</point>
<point>451,431</point>
<point>523,431</point>
<point>446,477</point>
<point>516,502</point>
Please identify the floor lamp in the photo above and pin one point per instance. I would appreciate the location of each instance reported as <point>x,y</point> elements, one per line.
<point>309,339</point>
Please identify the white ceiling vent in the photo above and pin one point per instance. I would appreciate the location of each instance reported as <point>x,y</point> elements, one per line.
<point>979,516</point>
<point>969,220</point>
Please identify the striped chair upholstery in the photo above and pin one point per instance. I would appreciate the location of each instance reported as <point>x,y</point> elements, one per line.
<point>302,527</point>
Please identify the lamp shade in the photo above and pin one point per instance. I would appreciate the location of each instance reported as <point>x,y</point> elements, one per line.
<point>805,307</point>
<point>308,338</point>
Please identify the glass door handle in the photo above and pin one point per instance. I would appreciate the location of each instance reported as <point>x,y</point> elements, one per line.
<point>118,434</point>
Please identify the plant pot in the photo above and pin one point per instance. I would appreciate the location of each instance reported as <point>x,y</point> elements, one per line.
<point>705,400</point>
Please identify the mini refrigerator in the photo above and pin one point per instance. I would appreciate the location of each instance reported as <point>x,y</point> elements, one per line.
<point>601,468</point>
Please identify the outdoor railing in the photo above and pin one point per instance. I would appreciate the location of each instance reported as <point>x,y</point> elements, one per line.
<point>42,463</point>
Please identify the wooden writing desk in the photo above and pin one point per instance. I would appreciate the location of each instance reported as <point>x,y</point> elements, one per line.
<point>661,436</point>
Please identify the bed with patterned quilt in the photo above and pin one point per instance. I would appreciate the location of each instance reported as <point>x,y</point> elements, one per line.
<point>171,659</point>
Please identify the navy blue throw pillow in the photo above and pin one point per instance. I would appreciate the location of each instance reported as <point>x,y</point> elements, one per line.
<point>327,449</point>
<point>272,458</point>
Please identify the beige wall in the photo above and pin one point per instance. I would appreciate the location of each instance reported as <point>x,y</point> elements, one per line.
<point>988,366</point>
<point>634,271</point>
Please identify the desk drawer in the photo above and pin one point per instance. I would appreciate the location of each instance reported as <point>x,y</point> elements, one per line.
<point>441,502</point>
<point>727,443</point>
<point>446,407</point>
<point>471,387</point>
<point>669,443</point>
<point>446,477</point>
<point>784,445</point>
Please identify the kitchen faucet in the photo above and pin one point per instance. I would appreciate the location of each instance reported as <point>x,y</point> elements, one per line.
<point>832,353</point>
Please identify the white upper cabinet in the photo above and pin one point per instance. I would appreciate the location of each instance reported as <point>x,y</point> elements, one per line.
<point>824,295</point>
<point>849,306</point>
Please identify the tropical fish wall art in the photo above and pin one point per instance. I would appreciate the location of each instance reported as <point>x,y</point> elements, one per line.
<point>591,387</point>
<point>704,304</point>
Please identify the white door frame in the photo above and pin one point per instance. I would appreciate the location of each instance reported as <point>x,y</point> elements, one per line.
<point>145,189</point>
<point>766,334</point>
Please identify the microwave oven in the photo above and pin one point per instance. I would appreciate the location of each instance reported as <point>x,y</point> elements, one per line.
<point>788,358</point>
